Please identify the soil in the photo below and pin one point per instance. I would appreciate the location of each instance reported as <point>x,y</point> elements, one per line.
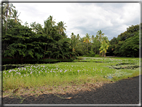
<point>125,91</point>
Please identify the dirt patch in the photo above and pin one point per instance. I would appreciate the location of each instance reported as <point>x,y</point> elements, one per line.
<point>53,89</point>
<point>120,92</point>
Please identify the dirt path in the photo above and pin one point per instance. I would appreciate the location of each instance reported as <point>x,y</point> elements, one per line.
<point>121,92</point>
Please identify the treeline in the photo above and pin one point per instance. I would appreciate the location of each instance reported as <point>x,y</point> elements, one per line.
<point>127,43</point>
<point>90,45</point>
<point>45,42</point>
<point>35,42</point>
<point>50,42</point>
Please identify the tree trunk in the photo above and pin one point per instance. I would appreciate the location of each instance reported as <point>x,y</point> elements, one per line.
<point>104,54</point>
<point>45,51</point>
<point>87,47</point>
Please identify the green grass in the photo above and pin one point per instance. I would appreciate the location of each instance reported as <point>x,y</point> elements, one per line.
<point>97,69</point>
<point>96,55</point>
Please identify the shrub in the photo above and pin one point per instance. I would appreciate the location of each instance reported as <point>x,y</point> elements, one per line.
<point>92,54</point>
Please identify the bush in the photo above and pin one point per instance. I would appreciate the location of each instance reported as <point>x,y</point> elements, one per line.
<point>97,55</point>
<point>92,54</point>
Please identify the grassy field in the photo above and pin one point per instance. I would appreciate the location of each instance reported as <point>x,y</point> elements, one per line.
<point>81,71</point>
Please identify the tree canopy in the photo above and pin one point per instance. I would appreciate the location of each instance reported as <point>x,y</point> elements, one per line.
<point>127,43</point>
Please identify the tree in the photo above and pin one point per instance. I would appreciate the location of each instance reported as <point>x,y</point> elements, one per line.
<point>87,40</point>
<point>119,46</point>
<point>104,46</point>
<point>131,46</point>
<point>7,11</point>
<point>37,42</point>
<point>52,22</point>
<point>48,24</point>
<point>61,27</point>
<point>73,41</point>
<point>26,24</point>
<point>19,41</point>
<point>37,28</point>
<point>15,16</point>
<point>78,37</point>
<point>96,44</point>
<point>111,48</point>
<point>100,35</point>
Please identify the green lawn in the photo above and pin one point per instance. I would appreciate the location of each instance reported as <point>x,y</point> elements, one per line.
<point>82,70</point>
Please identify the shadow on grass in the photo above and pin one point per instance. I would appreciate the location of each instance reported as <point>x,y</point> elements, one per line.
<point>121,92</point>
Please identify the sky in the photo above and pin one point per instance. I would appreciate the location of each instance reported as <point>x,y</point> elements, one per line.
<point>81,18</point>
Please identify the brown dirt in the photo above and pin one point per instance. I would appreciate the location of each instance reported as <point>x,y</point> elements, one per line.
<point>122,92</point>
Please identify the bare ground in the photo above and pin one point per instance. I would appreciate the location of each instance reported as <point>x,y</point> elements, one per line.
<point>125,91</point>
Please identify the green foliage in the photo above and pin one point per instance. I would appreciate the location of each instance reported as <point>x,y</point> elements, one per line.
<point>92,54</point>
<point>96,44</point>
<point>50,41</point>
<point>22,42</point>
<point>104,45</point>
<point>126,44</point>
<point>131,46</point>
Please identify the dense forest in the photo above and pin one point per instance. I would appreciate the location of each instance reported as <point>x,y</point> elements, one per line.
<point>127,43</point>
<point>50,42</point>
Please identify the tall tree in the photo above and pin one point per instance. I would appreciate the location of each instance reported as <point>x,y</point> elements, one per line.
<point>96,44</point>
<point>87,40</point>
<point>61,27</point>
<point>100,35</point>
<point>104,46</point>
<point>15,16</point>
<point>7,11</point>
<point>78,37</point>
<point>73,41</point>
<point>36,27</point>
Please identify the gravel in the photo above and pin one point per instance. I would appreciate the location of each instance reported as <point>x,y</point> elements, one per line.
<point>125,91</point>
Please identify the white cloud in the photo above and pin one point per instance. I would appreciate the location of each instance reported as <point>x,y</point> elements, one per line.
<point>131,12</point>
<point>82,18</point>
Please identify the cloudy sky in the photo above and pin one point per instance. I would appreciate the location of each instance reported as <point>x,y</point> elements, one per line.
<point>81,18</point>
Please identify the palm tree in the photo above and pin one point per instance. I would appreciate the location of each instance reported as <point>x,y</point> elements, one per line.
<point>104,46</point>
<point>92,38</point>
<point>15,16</point>
<point>7,11</point>
<point>48,24</point>
<point>96,43</point>
<point>100,35</point>
<point>52,22</point>
<point>87,40</point>
<point>78,37</point>
<point>73,41</point>
<point>61,27</point>
<point>36,27</point>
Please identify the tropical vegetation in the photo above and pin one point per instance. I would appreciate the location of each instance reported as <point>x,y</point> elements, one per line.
<point>85,57</point>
